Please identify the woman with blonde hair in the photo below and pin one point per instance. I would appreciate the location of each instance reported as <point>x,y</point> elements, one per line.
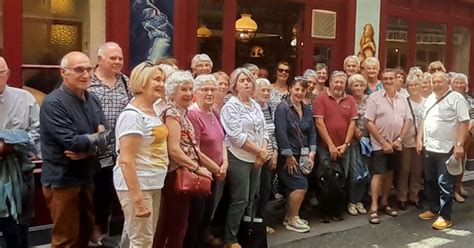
<point>370,70</point>
<point>351,65</point>
<point>143,157</point>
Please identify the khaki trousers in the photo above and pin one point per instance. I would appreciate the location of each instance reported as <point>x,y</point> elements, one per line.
<point>409,178</point>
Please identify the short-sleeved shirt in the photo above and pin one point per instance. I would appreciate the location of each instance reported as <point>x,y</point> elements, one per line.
<point>187,132</point>
<point>388,116</point>
<point>208,132</point>
<point>113,100</point>
<point>378,87</point>
<point>337,116</point>
<point>151,161</point>
<point>441,122</point>
<point>409,140</point>
<point>270,123</point>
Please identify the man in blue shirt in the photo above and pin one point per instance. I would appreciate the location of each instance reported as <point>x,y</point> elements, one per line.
<point>71,121</point>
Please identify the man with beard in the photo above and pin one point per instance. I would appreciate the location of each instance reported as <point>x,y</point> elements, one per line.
<point>334,109</point>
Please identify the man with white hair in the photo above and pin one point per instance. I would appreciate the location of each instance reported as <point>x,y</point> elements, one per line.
<point>73,134</point>
<point>442,134</point>
<point>18,111</point>
<point>201,64</point>
<point>112,88</point>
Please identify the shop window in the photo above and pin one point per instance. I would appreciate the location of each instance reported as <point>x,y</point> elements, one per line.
<point>430,43</point>
<point>51,29</point>
<point>210,30</point>
<point>397,39</point>
<point>461,49</point>
<point>1,27</point>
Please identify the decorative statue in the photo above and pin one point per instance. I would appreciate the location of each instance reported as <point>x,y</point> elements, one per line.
<point>367,43</point>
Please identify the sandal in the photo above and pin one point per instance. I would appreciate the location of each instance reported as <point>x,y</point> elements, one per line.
<point>390,211</point>
<point>374,218</point>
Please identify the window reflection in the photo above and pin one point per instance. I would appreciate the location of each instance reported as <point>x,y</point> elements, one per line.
<point>397,37</point>
<point>211,16</point>
<point>45,80</point>
<point>430,43</point>
<point>461,49</point>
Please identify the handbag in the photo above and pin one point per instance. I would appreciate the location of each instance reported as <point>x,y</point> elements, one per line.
<point>252,231</point>
<point>189,183</point>
<point>303,163</point>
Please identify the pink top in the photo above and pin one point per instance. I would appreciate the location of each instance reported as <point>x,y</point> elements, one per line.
<point>208,132</point>
<point>387,115</point>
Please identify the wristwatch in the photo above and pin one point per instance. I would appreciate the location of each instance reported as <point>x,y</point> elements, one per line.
<point>459,144</point>
<point>399,139</point>
<point>348,144</point>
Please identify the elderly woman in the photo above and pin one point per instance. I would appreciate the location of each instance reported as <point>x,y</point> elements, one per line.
<point>351,65</point>
<point>294,130</point>
<point>246,140</point>
<point>357,187</point>
<point>173,220</point>
<point>436,66</point>
<point>460,84</point>
<point>426,84</point>
<point>142,164</point>
<point>221,95</point>
<point>280,86</point>
<point>370,70</point>
<point>410,173</point>
<point>201,64</point>
<point>262,96</point>
<point>253,68</point>
<point>210,140</point>
<point>310,77</point>
<point>321,78</point>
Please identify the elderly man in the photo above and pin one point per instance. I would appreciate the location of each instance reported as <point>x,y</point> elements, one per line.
<point>19,111</point>
<point>201,64</point>
<point>72,134</point>
<point>388,119</point>
<point>335,114</point>
<point>112,88</point>
<point>443,132</point>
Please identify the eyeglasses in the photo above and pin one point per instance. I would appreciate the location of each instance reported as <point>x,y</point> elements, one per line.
<point>283,70</point>
<point>81,69</point>
<point>207,90</point>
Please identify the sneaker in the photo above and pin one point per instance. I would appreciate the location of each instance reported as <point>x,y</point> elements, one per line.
<point>270,230</point>
<point>285,221</point>
<point>297,225</point>
<point>279,197</point>
<point>441,224</point>
<point>427,215</point>
<point>351,209</point>
<point>360,208</point>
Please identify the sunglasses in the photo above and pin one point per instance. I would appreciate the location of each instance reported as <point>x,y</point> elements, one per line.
<point>283,70</point>
<point>80,69</point>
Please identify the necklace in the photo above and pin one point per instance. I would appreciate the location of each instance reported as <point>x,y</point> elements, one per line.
<point>209,112</point>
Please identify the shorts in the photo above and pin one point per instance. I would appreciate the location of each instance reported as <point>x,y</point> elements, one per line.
<point>381,162</point>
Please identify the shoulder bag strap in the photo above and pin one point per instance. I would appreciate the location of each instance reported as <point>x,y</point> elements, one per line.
<point>412,115</point>
<point>439,100</point>
<point>122,77</point>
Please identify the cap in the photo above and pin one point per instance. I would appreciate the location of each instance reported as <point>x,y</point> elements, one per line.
<point>454,166</point>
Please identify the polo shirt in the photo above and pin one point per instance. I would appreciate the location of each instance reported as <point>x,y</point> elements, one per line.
<point>337,116</point>
<point>441,122</point>
<point>388,116</point>
<point>65,122</point>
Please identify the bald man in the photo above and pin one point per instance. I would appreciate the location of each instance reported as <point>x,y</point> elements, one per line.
<point>72,121</point>
<point>112,88</point>
<point>18,111</point>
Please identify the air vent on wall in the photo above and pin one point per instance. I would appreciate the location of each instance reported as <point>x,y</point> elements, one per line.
<point>323,24</point>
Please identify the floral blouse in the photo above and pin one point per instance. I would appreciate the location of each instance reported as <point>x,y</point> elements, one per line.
<point>361,108</point>
<point>276,98</point>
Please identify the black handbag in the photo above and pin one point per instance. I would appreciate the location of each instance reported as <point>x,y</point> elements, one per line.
<point>252,232</point>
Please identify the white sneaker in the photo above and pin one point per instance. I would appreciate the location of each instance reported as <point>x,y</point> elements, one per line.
<point>351,209</point>
<point>360,208</point>
<point>285,221</point>
<point>297,225</point>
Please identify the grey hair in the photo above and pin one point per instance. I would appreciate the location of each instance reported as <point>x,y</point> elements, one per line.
<point>200,80</point>
<point>356,78</point>
<point>250,66</point>
<point>200,57</point>
<point>167,69</point>
<point>426,76</point>
<point>442,75</point>
<point>100,51</point>
<point>371,61</point>
<point>309,73</point>
<point>261,82</point>
<point>336,74</point>
<point>415,71</point>
<point>352,57</point>
<point>235,75</point>
<point>175,80</point>
<point>413,78</point>
<point>460,76</point>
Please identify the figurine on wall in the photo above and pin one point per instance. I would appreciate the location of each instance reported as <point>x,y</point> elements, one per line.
<point>367,43</point>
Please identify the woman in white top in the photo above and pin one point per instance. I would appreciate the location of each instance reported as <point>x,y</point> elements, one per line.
<point>246,140</point>
<point>143,158</point>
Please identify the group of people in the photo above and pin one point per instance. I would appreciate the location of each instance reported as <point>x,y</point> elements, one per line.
<point>108,139</point>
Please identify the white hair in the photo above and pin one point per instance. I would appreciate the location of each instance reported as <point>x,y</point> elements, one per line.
<point>201,80</point>
<point>250,66</point>
<point>352,57</point>
<point>261,82</point>
<point>356,78</point>
<point>200,57</point>
<point>175,80</point>
<point>100,51</point>
<point>167,69</point>
<point>461,77</point>
<point>309,73</point>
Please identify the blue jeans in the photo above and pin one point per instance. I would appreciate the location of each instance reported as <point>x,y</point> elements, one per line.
<point>439,184</point>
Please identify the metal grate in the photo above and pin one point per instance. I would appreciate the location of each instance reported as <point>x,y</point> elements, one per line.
<point>323,24</point>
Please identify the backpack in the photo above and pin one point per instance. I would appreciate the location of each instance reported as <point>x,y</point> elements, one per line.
<point>330,187</point>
